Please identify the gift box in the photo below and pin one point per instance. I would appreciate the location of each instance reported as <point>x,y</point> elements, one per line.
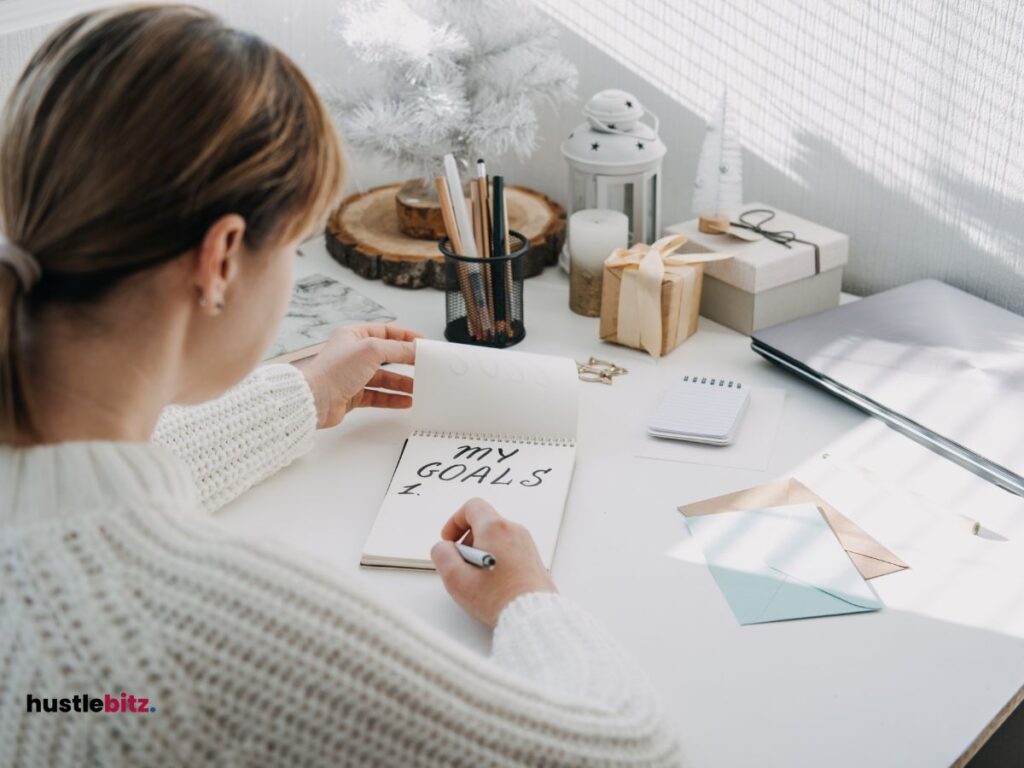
<point>650,294</point>
<point>784,267</point>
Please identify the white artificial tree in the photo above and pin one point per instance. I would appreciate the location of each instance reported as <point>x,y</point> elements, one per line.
<point>437,76</point>
<point>718,188</point>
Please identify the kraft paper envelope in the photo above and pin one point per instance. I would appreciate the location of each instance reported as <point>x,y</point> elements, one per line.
<point>869,557</point>
<point>780,563</point>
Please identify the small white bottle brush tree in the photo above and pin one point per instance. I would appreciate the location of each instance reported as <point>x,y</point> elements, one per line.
<point>437,76</point>
<point>718,188</point>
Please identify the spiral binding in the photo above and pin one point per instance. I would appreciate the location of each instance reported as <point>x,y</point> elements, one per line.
<point>558,442</point>
<point>730,384</point>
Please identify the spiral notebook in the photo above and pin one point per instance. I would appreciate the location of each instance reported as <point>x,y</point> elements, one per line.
<point>500,425</point>
<point>701,409</point>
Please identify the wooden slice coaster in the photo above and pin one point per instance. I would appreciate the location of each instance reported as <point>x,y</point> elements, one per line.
<point>364,235</point>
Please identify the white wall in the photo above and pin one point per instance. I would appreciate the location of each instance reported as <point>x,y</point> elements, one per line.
<point>901,124</point>
<point>898,123</point>
<point>300,27</point>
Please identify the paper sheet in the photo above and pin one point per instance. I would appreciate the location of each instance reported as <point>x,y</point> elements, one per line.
<point>475,390</point>
<point>780,563</point>
<point>526,482</point>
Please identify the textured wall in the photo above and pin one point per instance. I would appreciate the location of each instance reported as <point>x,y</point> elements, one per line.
<point>898,123</point>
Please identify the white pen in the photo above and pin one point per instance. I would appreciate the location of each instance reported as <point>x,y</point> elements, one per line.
<point>476,557</point>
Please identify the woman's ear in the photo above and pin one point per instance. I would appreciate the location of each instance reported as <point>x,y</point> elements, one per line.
<point>216,262</point>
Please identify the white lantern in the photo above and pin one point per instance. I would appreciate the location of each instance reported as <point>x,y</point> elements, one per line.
<point>615,163</point>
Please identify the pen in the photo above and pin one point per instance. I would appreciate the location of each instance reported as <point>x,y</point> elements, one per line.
<point>476,557</point>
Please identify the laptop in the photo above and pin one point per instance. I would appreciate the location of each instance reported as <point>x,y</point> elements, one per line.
<point>935,363</point>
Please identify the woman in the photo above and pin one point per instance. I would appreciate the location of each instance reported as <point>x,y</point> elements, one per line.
<point>157,171</point>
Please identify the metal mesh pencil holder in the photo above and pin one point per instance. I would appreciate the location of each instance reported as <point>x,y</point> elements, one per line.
<point>484,297</point>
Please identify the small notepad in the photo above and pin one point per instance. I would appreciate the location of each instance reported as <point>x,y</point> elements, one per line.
<point>700,409</point>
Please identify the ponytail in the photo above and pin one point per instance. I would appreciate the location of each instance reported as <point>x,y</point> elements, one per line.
<point>12,412</point>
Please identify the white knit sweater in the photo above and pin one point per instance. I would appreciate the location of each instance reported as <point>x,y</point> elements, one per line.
<point>113,580</point>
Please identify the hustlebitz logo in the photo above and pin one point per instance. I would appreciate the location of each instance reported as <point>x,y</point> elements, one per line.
<point>82,702</point>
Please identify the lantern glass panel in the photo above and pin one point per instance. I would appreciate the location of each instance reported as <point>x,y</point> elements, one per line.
<point>626,206</point>
<point>652,207</point>
<point>581,188</point>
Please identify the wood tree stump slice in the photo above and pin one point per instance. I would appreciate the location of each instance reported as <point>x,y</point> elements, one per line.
<point>364,235</point>
<point>420,218</point>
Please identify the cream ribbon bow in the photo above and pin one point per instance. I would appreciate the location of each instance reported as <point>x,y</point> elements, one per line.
<point>639,322</point>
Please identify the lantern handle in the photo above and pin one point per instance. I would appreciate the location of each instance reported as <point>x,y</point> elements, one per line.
<point>608,129</point>
<point>657,122</point>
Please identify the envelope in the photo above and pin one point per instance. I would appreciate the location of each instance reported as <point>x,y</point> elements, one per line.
<point>869,557</point>
<point>780,563</point>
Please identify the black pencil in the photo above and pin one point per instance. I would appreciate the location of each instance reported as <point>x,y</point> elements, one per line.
<point>499,249</point>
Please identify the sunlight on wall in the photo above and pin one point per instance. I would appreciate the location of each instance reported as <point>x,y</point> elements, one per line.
<point>897,123</point>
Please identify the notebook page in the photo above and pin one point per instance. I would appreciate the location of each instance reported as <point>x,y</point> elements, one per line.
<point>525,481</point>
<point>481,391</point>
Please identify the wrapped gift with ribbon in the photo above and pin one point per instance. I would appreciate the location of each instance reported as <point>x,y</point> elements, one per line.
<point>651,294</point>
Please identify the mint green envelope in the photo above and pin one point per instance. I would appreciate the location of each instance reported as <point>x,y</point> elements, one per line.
<point>780,563</point>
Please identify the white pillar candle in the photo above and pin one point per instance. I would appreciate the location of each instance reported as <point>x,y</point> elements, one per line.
<point>593,234</point>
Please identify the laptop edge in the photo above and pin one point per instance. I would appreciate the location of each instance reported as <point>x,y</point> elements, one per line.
<point>967,459</point>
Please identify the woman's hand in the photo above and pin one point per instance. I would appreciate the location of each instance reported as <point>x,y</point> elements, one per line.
<point>347,372</point>
<point>485,593</point>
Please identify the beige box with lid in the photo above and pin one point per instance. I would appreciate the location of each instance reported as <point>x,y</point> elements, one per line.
<point>767,283</point>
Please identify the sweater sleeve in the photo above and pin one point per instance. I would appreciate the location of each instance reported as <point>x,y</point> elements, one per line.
<point>247,434</point>
<point>323,674</point>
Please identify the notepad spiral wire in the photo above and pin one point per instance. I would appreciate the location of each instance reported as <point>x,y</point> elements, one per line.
<point>558,442</point>
<point>713,382</point>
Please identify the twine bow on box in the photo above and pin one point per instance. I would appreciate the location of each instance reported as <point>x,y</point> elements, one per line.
<point>781,237</point>
<point>643,270</point>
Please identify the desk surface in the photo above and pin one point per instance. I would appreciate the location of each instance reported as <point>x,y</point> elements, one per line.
<point>916,684</point>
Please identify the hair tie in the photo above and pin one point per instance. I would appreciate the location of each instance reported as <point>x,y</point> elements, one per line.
<point>21,262</point>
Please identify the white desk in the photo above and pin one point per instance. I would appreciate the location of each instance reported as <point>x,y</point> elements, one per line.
<point>916,684</point>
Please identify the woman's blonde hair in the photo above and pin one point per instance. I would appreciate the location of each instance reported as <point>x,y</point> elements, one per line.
<point>130,132</point>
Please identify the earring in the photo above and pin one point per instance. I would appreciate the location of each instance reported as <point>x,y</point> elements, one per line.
<point>218,304</point>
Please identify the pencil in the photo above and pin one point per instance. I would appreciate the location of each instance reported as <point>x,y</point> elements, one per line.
<point>474,204</point>
<point>507,267</point>
<point>482,192</point>
<point>499,250</point>
<point>481,244</point>
<point>448,216</point>
<point>462,222</point>
<point>485,229</point>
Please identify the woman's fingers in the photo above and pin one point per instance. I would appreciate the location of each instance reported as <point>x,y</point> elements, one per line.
<point>388,332</point>
<point>375,398</point>
<point>396,382</point>
<point>390,351</point>
<point>473,514</point>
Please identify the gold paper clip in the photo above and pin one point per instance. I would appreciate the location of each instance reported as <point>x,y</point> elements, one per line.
<point>596,370</point>
<point>613,369</point>
<point>592,374</point>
